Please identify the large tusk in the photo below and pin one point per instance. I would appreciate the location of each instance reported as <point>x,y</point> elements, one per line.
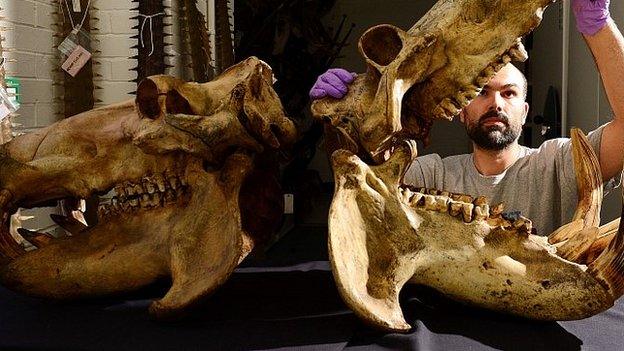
<point>589,185</point>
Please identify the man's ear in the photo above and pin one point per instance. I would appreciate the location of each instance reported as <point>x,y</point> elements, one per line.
<point>526,112</point>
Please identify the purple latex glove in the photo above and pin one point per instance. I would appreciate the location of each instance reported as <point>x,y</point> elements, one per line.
<point>591,15</point>
<point>332,83</point>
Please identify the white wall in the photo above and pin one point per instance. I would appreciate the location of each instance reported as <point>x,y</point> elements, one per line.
<point>31,57</point>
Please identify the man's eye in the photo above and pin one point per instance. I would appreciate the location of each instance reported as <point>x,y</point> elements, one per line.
<point>510,93</point>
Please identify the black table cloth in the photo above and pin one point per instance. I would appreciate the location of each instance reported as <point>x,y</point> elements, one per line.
<point>288,308</point>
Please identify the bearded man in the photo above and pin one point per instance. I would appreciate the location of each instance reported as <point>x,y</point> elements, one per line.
<point>539,183</point>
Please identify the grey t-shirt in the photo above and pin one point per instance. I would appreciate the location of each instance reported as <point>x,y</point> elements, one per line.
<point>541,183</point>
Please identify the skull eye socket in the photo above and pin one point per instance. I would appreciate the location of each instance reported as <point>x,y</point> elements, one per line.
<point>176,103</point>
<point>147,99</point>
<point>381,44</point>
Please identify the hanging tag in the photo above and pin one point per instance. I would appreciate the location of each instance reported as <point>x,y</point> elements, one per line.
<point>289,203</point>
<point>76,60</point>
<point>75,38</point>
<point>76,5</point>
<point>7,104</point>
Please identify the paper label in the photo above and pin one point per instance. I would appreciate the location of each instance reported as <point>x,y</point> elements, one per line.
<point>289,203</point>
<point>76,60</point>
<point>4,112</point>
<point>76,5</point>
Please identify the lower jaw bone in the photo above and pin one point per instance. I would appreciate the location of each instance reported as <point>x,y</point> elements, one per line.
<point>379,240</point>
<point>197,243</point>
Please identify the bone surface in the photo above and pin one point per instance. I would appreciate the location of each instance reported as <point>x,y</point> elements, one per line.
<point>181,160</point>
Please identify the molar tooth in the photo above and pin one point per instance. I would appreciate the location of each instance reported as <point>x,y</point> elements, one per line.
<point>138,189</point>
<point>415,200</point>
<point>406,193</point>
<point>440,113</point>
<point>482,208</point>
<point>157,199</point>
<point>467,212</point>
<point>120,190</point>
<point>145,201</point>
<point>149,186</point>
<point>519,52</point>
<point>174,182</point>
<point>449,106</point>
<point>103,210</point>
<point>134,202</point>
<point>115,204</point>
<point>130,189</point>
<point>523,224</point>
<point>505,59</point>
<point>442,203</point>
<point>159,179</point>
<point>430,202</point>
<point>455,208</point>
<point>445,193</point>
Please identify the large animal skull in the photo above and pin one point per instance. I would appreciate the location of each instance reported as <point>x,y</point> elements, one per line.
<point>177,161</point>
<point>429,72</point>
<point>383,234</point>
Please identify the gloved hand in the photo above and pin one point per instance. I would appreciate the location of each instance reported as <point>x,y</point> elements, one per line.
<point>591,15</point>
<point>334,83</point>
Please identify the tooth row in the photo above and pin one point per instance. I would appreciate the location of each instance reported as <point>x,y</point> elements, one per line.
<point>469,208</point>
<point>148,192</point>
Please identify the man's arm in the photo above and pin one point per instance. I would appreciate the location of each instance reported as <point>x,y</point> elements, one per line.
<point>607,46</point>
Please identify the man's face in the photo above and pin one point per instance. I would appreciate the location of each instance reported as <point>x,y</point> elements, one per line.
<point>494,119</point>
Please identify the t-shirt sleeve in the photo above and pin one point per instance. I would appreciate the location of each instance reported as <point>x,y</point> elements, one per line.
<point>425,171</point>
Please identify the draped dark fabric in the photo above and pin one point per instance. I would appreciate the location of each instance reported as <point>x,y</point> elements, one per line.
<point>294,307</point>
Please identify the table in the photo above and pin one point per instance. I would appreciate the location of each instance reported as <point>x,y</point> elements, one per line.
<point>295,307</point>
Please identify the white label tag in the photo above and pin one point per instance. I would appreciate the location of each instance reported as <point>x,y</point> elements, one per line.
<point>67,46</point>
<point>76,60</point>
<point>289,203</point>
<point>4,112</point>
<point>76,6</point>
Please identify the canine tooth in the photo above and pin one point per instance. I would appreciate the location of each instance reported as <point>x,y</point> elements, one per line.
<point>455,208</point>
<point>70,224</point>
<point>467,212</point>
<point>37,239</point>
<point>430,203</point>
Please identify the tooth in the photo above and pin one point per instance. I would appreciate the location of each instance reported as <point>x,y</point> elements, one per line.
<point>156,199</point>
<point>482,80</point>
<point>430,202</point>
<point>445,193</point>
<point>130,189</point>
<point>455,209</point>
<point>440,113</point>
<point>115,204</point>
<point>406,193</point>
<point>432,192</point>
<point>415,200</point>
<point>422,190</point>
<point>462,99</point>
<point>119,190</point>
<point>174,182</point>
<point>37,239</point>
<point>442,203</point>
<point>169,196</point>
<point>467,212</point>
<point>149,187</point>
<point>449,106</point>
<point>497,210</point>
<point>482,208</point>
<point>519,52</point>
<point>134,202</point>
<point>103,210</point>
<point>160,182</point>
<point>139,189</point>
<point>505,58</point>
<point>183,181</point>
<point>523,224</point>
<point>70,224</point>
<point>125,206</point>
<point>145,201</point>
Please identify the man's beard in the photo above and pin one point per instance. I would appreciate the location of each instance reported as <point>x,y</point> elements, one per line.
<point>493,137</point>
